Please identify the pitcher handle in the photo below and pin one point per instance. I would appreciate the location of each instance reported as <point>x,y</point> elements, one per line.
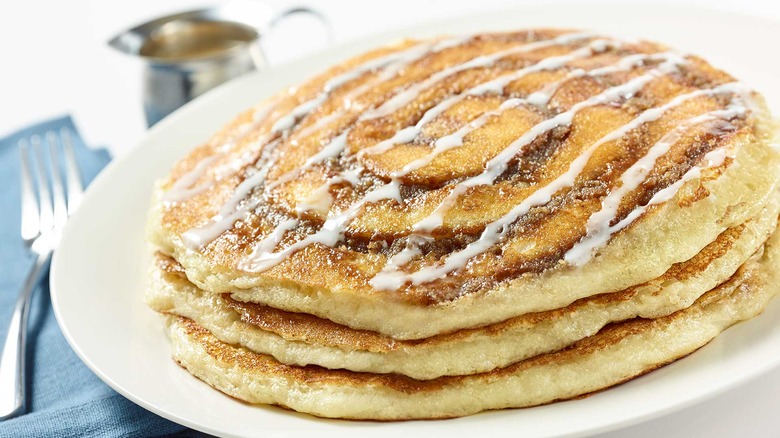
<point>283,15</point>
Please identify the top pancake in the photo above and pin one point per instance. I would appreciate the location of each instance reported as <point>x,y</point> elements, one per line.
<point>436,185</point>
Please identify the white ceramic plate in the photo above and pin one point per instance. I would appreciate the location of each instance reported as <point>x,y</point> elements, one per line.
<point>98,273</point>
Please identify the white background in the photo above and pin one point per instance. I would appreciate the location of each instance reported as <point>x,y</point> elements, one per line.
<point>54,61</point>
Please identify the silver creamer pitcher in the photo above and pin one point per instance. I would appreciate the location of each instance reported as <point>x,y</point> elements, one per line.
<point>189,53</point>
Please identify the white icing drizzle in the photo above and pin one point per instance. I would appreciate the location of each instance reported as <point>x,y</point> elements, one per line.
<point>183,188</point>
<point>498,164</point>
<point>408,134</point>
<point>496,85</point>
<point>403,61</point>
<point>336,146</point>
<point>405,97</point>
<point>395,61</point>
<point>403,257</point>
<point>539,98</point>
<point>333,228</point>
<point>317,125</point>
<point>582,254</point>
<point>329,234</point>
<point>288,121</point>
<point>598,227</point>
<point>542,97</point>
<point>391,279</point>
<point>230,212</point>
<point>410,251</point>
<point>320,198</point>
<point>269,242</point>
<point>264,255</point>
<point>332,150</point>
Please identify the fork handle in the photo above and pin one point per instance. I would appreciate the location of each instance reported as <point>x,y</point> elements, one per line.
<point>12,370</point>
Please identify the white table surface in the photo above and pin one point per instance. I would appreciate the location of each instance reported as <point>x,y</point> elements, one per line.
<point>55,61</point>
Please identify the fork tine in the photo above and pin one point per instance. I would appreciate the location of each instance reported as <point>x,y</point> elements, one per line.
<point>30,213</point>
<point>44,194</point>
<point>72,173</point>
<point>58,194</point>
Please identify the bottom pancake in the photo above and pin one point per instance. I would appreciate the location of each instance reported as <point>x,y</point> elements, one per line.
<point>617,353</point>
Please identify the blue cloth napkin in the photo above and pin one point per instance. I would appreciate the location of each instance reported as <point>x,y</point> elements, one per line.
<point>64,398</point>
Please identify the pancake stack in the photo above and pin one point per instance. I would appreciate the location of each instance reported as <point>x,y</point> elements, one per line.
<point>446,226</point>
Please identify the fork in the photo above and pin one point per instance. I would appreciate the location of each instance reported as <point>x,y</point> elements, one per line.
<point>43,218</point>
